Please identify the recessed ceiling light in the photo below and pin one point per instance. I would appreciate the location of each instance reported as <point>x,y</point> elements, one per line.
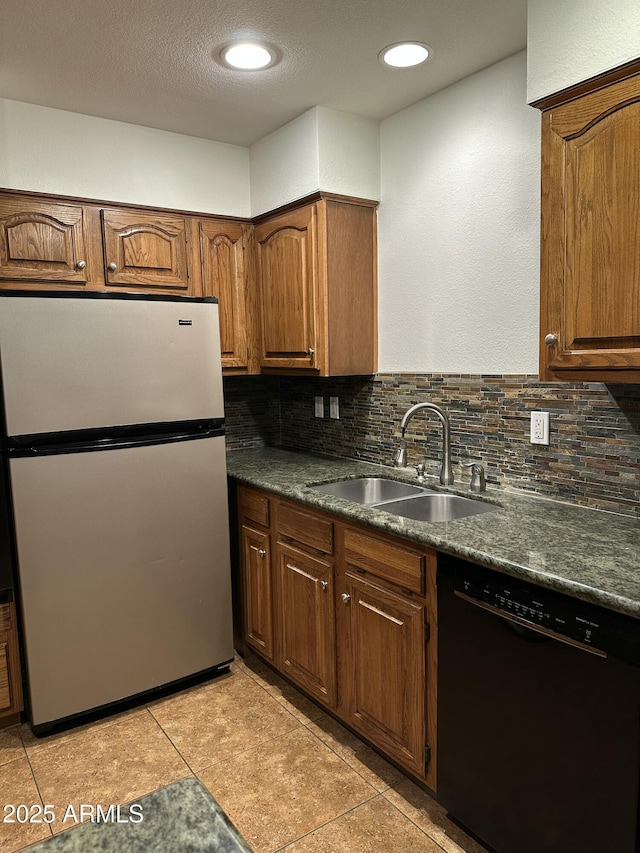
<point>405,54</point>
<point>248,55</point>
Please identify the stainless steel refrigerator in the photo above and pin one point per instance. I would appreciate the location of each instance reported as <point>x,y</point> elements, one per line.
<point>114,457</point>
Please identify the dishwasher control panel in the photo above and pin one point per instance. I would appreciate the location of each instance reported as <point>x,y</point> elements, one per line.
<point>532,605</point>
<point>549,611</point>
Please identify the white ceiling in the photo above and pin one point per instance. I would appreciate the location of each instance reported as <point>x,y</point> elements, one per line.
<point>150,62</point>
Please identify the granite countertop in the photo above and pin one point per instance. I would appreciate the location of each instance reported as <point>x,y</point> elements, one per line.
<point>183,817</point>
<point>589,554</point>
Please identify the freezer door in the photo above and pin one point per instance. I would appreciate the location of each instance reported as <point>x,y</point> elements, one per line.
<point>123,559</point>
<point>71,363</point>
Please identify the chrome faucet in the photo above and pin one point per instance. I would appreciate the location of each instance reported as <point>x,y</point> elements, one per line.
<point>400,457</point>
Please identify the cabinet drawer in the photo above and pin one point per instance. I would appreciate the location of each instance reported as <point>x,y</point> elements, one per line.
<point>306,528</point>
<point>255,507</point>
<point>391,562</point>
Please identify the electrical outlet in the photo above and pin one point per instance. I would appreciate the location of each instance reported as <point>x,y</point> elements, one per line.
<point>319,407</point>
<point>334,407</point>
<point>539,428</point>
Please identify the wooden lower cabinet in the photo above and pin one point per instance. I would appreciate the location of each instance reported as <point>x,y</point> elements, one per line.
<point>351,616</point>
<point>305,622</point>
<point>383,677</point>
<point>257,586</point>
<point>10,674</point>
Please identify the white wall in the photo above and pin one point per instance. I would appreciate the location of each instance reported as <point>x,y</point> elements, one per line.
<point>48,150</point>
<point>572,40</point>
<point>459,229</point>
<point>320,150</point>
<point>349,152</point>
<point>285,164</point>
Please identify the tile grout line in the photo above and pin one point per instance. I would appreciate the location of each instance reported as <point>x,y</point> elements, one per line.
<point>301,726</point>
<point>326,823</point>
<point>378,793</point>
<point>193,773</point>
<point>35,782</point>
<point>423,831</point>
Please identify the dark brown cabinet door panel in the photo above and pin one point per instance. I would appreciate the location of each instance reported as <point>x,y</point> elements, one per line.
<point>143,249</point>
<point>590,281</point>
<point>287,286</point>
<point>257,585</point>
<point>42,241</point>
<point>306,622</point>
<point>10,671</point>
<point>223,276</point>
<point>383,682</point>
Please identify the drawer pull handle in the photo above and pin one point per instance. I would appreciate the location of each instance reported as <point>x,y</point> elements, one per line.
<point>262,552</point>
<point>345,597</point>
<point>324,585</point>
<point>310,352</point>
<point>304,574</point>
<point>81,265</point>
<point>113,266</point>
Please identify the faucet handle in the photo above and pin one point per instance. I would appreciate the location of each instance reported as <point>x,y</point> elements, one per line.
<point>478,479</point>
<point>420,471</point>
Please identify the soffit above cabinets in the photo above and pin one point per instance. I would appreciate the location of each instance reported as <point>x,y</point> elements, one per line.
<point>152,62</point>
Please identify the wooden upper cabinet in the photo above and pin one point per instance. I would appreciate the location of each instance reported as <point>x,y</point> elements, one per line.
<point>590,272</point>
<point>145,250</point>
<point>222,251</point>
<point>42,241</point>
<point>317,288</point>
<point>287,272</point>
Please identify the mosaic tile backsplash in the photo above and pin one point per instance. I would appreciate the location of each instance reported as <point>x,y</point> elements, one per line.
<point>593,457</point>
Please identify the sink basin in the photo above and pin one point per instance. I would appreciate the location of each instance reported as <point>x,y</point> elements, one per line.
<point>403,499</point>
<point>369,490</point>
<point>436,507</point>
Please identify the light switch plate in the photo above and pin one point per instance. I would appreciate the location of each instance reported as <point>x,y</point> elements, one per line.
<point>334,407</point>
<point>319,407</point>
<point>539,427</point>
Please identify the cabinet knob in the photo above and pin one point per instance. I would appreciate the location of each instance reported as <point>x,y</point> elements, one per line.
<point>81,265</point>
<point>262,552</point>
<point>345,597</point>
<point>324,585</point>
<point>310,351</point>
<point>551,340</point>
<point>113,266</point>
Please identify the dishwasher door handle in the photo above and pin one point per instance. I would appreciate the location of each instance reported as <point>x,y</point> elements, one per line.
<point>535,629</point>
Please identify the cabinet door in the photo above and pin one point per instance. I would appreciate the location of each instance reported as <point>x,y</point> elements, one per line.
<point>10,674</point>
<point>42,241</point>
<point>305,620</point>
<point>223,276</point>
<point>145,250</point>
<point>382,681</point>
<point>590,318</point>
<point>286,259</point>
<point>256,578</point>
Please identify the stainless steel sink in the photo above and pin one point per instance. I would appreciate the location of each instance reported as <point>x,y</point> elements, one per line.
<point>403,499</point>
<point>369,490</point>
<point>436,506</point>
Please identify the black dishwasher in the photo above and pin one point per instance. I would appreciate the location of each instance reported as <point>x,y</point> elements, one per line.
<point>538,715</point>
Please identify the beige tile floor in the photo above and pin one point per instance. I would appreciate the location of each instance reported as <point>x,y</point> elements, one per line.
<point>288,775</point>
